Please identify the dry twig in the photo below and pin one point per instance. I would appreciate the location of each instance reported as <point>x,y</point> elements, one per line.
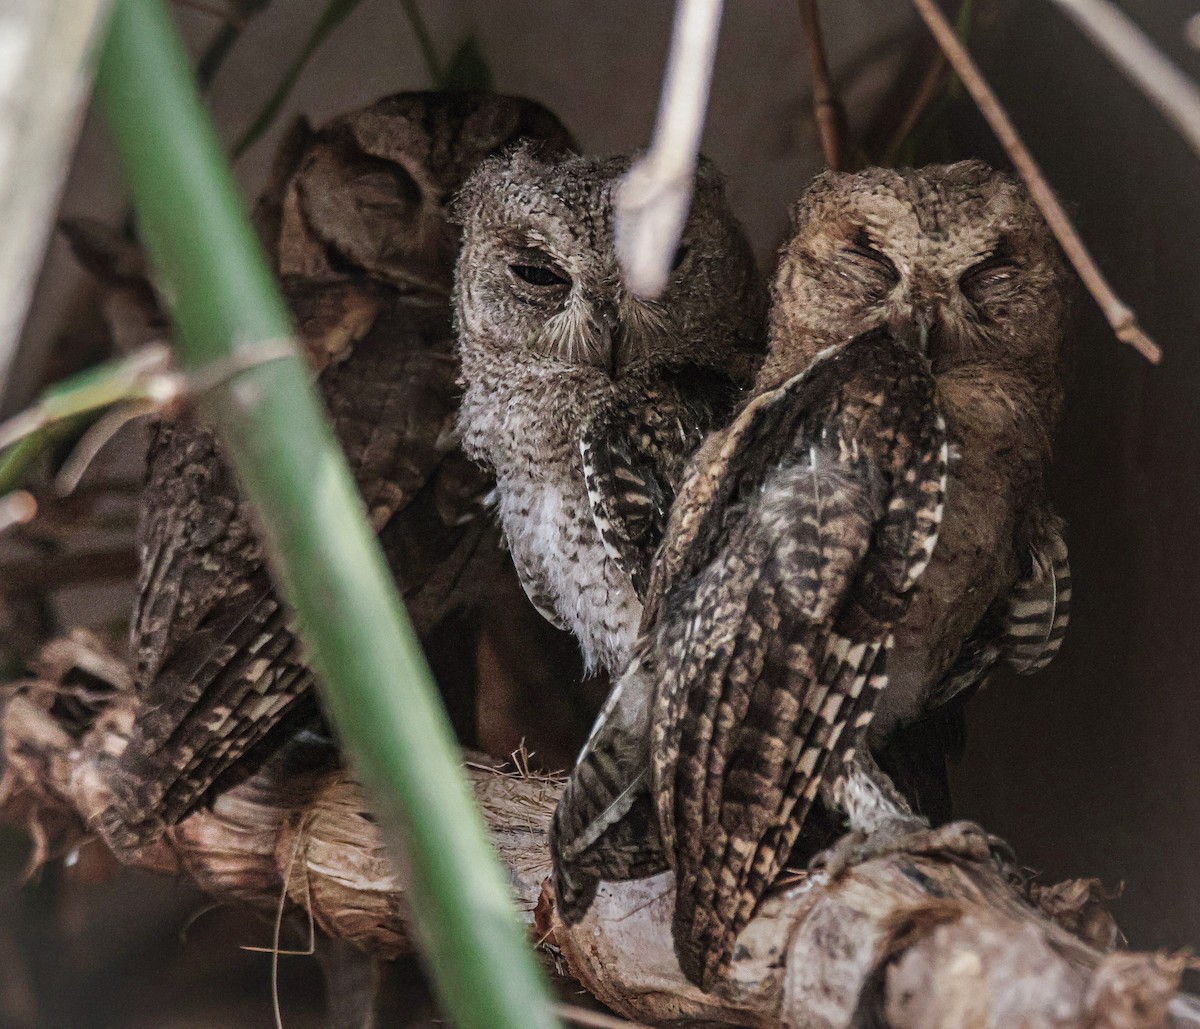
<point>928,940</point>
<point>47,53</point>
<point>16,509</point>
<point>1169,89</point>
<point>932,84</point>
<point>828,111</point>
<point>1119,315</point>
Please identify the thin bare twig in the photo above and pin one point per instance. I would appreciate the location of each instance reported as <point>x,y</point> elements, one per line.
<point>828,112</point>
<point>654,197</point>
<point>1147,67</point>
<point>1119,315</point>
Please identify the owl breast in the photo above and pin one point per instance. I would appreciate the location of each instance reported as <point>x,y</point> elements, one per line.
<point>523,419</point>
<point>563,564</point>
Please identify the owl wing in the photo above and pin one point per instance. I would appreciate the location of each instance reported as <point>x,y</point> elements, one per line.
<point>604,826</point>
<point>634,455</point>
<point>775,627</point>
<point>633,458</point>
<point>219,668</point>
<point>1026,627</point>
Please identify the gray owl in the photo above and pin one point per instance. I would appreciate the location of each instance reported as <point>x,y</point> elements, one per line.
<point>584,399</point>
<point>864,542</point>
<point>355,221</point>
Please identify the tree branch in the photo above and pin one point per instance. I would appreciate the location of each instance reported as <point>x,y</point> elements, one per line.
<point>1131,50</point>
<point>656,193</point>
<point>929,940</point>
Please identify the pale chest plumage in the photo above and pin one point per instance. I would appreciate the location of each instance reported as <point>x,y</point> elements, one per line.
<point>530,436</point>
<point>560,558</point>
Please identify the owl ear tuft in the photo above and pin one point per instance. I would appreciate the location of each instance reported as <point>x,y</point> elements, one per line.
<point>466,204</point>
<point>825,183</point>
<point>709,176</point>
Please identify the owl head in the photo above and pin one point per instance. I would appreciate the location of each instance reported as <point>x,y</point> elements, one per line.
<point>538,279</point>
<point>369,191</point>
<point>958,251</point>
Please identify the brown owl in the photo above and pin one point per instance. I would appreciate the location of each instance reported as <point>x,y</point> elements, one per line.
<point>355,220</point>
<point>584,399</point>
<point>868,537</point>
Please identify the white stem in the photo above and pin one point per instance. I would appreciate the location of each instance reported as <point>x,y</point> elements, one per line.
<point>654,197</point>
<point>48,50</point>
<point>1128,47</point>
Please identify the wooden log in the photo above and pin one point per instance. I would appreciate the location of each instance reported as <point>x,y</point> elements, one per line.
<point>936,939</point>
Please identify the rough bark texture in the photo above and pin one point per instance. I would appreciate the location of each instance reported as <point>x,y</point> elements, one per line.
<point>927,940</point>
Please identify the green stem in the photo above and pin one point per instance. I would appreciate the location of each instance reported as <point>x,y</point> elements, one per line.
<point>336,12</point>
<point>377,685</point>
<point>69,405</point>
<point>214,55</point>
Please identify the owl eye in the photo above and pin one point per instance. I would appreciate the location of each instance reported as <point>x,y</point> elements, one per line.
<point>538,275</point>
<point>862,248</point>
<point>986,276</point>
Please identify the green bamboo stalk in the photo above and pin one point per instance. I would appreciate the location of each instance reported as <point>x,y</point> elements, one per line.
<point>232,326</point>
<point>139,379</point>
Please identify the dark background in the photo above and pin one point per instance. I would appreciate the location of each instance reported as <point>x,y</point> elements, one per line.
<point>1088,768</point>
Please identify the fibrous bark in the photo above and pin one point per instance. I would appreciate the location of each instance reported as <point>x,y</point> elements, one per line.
<point>928,940</point>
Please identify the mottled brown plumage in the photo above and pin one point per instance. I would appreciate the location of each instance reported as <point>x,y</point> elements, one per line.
<point>355,220</point>
<point>792,625</point>
<point>585,399</point>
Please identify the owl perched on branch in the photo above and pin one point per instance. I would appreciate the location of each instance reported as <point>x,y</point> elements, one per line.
<point>355,221</point>
<point>584,399</point>
<point>863,543</point>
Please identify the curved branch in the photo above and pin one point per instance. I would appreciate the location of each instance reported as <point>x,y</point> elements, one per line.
<point>928,940</point>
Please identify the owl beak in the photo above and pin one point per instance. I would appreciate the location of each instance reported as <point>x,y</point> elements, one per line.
<point>608,326</point>
<point>915,328</point>
<point>925,319</point>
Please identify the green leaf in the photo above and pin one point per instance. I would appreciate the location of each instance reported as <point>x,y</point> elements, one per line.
<point>69,406</point>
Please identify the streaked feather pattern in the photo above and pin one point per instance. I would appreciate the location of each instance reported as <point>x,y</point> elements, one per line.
<point>775,630</point>
<point>356,225</point>
<point>794,545</point>
<point>634,456</point>
<point>219,666</point>
<point>1026,626</point>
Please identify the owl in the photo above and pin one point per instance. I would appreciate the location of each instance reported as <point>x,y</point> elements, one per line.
<point>355,222</point>
<point>868,537</point>
<point>584,399</point>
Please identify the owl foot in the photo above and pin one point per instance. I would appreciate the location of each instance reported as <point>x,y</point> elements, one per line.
<point>910,835</point>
